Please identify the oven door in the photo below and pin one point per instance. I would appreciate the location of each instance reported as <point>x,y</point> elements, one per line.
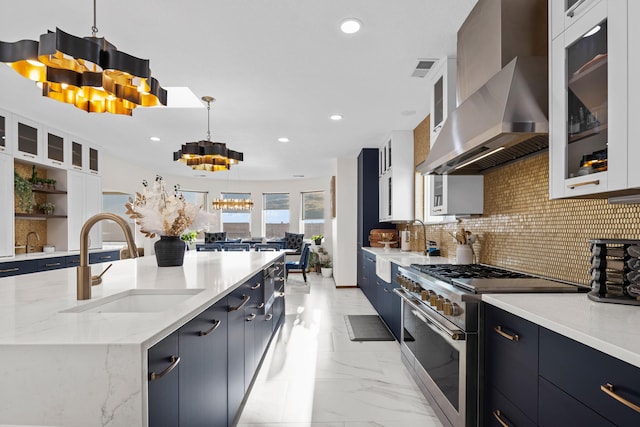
<point>441,361</point>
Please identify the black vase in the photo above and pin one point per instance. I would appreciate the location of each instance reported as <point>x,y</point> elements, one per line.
<point>169,251</point>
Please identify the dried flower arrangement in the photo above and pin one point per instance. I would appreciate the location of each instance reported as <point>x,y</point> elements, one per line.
<point>159,213</point>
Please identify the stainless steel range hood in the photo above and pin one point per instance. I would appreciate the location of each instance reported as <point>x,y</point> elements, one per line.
<point>502,88</point>
<point>502,121</point>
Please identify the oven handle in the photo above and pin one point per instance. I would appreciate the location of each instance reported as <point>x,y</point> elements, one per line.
<point>434,324</point>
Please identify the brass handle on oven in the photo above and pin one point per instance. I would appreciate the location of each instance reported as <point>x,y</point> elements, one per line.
<point>608,389</point>
<point>216,323</point>
<point>501,419</point>
<point>502,333</point>
<point>580,184</point>
<point>174,362</point>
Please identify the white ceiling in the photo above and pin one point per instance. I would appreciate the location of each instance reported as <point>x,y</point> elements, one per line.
<point>277,68</point>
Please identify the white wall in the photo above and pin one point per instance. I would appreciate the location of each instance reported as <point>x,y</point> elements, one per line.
<point>345,246</point>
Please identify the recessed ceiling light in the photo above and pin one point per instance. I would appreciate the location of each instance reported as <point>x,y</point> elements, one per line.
<point>335,117</point>
<point>298,176</point>
<point>283,139</point>
<point>350,26</point>
<point>154,138</point>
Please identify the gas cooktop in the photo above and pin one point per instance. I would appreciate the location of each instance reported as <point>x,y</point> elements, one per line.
<point>481,278</point>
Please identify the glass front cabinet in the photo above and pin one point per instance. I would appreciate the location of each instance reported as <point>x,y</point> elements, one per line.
<point>588,117</point>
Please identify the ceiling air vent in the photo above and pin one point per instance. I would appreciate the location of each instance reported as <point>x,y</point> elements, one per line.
<point>423,67</point>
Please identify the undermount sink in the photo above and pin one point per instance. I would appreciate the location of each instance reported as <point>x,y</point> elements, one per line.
<point>137,301</point>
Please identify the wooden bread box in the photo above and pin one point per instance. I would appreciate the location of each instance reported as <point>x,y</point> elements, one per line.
<point>375,237</point>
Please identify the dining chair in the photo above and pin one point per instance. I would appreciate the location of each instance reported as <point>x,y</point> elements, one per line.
<point>267,247</point>
<point>302,264</point>
<point>208,247</point>
<point>228,246</point>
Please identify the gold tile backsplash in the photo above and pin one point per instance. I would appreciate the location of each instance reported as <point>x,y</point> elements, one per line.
<point>522,229</point>
<point>24,226</point>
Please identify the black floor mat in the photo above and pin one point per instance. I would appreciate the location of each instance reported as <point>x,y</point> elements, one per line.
<point>367,327</point>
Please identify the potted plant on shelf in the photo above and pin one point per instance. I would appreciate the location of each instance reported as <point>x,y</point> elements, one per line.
<point>47,208</point>
<point>24,193</point>
<point>317,239</point>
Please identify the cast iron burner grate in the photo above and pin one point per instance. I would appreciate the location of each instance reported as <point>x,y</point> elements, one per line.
<point>448,272</point>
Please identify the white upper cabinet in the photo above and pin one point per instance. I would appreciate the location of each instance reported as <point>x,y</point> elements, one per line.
<point>396,180</point>
<point>456,194</point>
<point>56,148</point>
<point>5,132</point>
<point>565,13</point>
<point>27,139</point>
<point>589,114</point>
<point>442,79</point>
<point>6,207</point>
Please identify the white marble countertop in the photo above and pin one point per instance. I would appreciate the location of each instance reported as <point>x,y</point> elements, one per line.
<point>41,255</point>
<point>405,258</point>
<point>611,328</point>
<point>31,304</point>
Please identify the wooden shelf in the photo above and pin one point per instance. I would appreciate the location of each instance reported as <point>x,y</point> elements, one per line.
<point>587,133</point>
<point>48,191</point>
<point>36,216</point>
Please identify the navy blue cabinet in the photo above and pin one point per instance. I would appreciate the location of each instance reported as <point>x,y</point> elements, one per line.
<point>367,210</point>
<point>511,360</point>
<point>108,256</point>
<point>13,268</point>
<point>237,301</point>
<point>164,370</point>
<point>606,385</point>
<point>44,264</point>
<point>534,376</point>
<point>203,368</point>
<point>368,284</point>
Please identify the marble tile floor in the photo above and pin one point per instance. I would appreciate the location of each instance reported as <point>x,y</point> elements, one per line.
<point>314,376</point>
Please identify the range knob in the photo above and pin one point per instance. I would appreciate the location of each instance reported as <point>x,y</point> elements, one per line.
<point>439,303</point>
<point>447,307</point>
<point>432,299</point>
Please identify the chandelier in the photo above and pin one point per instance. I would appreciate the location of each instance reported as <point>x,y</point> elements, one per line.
<point>90,73</point>
<point>207,155</point>
<point>233,204</point>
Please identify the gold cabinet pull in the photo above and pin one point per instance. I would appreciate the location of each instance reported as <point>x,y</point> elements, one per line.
<point>53,264</point>
<point>580,184</point>
<point>9,270</point>
<point>174,362</point>
<point>502,333</point>
<point>216,323</point>
<point>501,418</point>
<point>608,389</point>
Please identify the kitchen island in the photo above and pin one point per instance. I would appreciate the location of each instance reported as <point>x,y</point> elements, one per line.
<point>64,366</point>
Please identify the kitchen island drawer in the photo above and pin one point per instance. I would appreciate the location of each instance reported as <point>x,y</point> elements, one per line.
<point>557,408</point>
<point>44,264</point>
<point>511,358</point>
<point>500,411</point>
<point>14,268</point>
<point>605,384</point>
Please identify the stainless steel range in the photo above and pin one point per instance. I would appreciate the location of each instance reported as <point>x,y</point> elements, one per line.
<point>440,318</point>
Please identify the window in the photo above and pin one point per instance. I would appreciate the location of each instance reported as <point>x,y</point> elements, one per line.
<point>199,198</point>
<point>313,213</point>
<point>236,223</point>
<point>276,215</point>
<point>114,203</point>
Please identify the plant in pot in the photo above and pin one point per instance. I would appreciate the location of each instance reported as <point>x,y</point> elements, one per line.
<point>24,193</point>
<point>189,238</point>
<point>47,208</point>
<point>326,267</point>
<point>317,239</point>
